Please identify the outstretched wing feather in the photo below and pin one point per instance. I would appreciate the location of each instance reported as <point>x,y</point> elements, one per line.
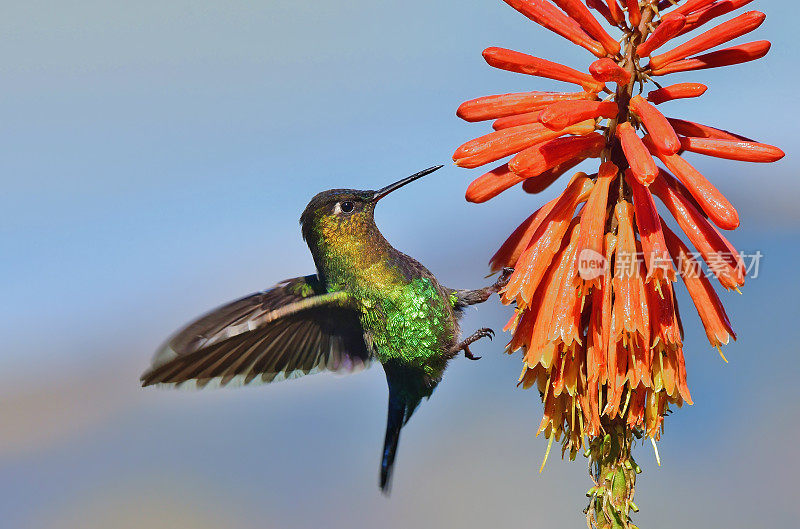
<point>293,329</point>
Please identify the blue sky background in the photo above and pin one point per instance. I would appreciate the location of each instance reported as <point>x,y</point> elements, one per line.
<point>155,160</point>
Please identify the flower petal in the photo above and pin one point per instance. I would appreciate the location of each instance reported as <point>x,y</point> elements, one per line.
<point>605,70</point>
<point>661,132</point>
<point>516,120</point>
<point>668,29</point>
<point>729,56</point>
<point>721,34</point>
<point>676,91</point>
<point>502,105</point>
<point>593,216</point>
<point>744,151</point>
<point>501,143</point>
<point>648,222</point>
<point>642,164</point>
<point>709,307</point>
<point>535,260</point>
<point>717,252</point>
<point>581,14</point>
<point>712,202</point>
<point>539,183</point>
<point>717,9</point>
<point>562,114</point>
<point>690,128</point>
<point>491,184</point>
<point>548,16</point>
<point>514,61</point>
<point>539,158</point>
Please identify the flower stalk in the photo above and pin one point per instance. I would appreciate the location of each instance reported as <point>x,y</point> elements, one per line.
<point>613,471</point>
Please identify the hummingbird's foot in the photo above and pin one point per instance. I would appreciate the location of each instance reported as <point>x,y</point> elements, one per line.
<point>464,345</point>
<point>468,354</point>
<point>465,298</point>
<point>502,281</point>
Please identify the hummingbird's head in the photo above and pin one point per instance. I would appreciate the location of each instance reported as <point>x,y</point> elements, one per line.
<point>338,215</point>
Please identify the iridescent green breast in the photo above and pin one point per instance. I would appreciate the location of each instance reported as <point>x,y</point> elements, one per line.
<point>407,318</point>
<point>411,322</point>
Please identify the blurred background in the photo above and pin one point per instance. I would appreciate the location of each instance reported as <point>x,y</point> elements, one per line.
<point>155,159</point>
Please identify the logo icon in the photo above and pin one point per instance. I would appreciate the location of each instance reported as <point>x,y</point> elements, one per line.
<point>591,264</point>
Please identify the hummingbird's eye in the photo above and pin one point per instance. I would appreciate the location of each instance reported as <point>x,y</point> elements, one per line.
<point>347,206</point>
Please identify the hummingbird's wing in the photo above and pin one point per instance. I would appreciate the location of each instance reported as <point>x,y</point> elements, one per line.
<point>293,329</point>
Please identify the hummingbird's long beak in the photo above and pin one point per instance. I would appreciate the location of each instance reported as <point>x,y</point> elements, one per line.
<point>380,193</point>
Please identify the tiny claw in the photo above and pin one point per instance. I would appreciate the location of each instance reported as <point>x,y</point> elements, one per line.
<point>505,276</point>
<point>468,354</point>
<point>464,346</point>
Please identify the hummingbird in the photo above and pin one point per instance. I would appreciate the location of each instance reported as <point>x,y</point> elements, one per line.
<point>367,302</point>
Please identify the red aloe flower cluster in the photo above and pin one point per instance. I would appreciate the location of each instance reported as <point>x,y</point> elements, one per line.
<point>595,268</point>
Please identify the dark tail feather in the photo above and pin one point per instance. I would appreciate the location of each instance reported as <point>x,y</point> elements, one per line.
<point>407,387</point>
<point>394,423</point>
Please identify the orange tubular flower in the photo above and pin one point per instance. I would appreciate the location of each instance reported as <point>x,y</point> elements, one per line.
<point>502,143</point>
<point>708,305</point>
<point>541,346</point>
<point>544,180</point>
<point>533,263</point>
<point>514,61</point>
<point>715,249</point>
<point>643,167</point>
<point>537,159</point>
<point>648,223</point>
<point>493,107</point>
<point>546,15</point>
<point>690,128</point>
<point>601,7</point>
<point>634,13</point>
<point>491,184</point>
<point>667,30</point>
<point>593,217</point>
<point>727,57</point>
<point>517,120</point>
<point>561,115</point>
<point>595,269</point>
<point>566,324</point>
<point>676,91</point>
<point>580,13</point>
<point>661,132</point>
<point>745,151</point>
<point>688,7</point>
<point>710,12</point>
<point>509,253</point>
<point>606,70</point>
<point>721,34</point>
<point>616,11</point>
<point>711,201</point>
<point>631,324</point>
<point>666,329</point>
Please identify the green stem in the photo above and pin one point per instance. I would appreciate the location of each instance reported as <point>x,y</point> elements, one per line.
<point>614,472</point>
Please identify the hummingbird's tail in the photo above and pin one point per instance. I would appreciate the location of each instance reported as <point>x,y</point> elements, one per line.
<point>407,387</point>
<point>394,423</point>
